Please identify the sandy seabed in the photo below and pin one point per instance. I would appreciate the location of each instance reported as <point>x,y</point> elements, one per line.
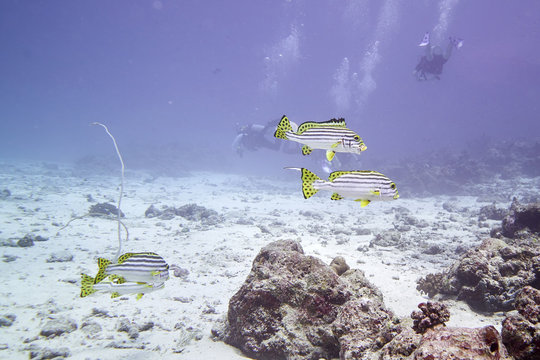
<point>176,322</point>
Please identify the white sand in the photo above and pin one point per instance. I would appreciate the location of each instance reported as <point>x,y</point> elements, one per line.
<point>255,212</point>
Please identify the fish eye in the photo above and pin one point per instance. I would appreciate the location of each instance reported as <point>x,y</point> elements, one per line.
<point>356,137</point>
<point>393,186</point>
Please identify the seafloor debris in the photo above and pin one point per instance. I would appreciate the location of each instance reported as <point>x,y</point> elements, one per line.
<point>522,220</point>
<point>521,328</point>
<point>4,194</point>
<point>296,307</point>
<point>461,343</point>
<point>192,212</point>
<point>339,265</point>
<point>489,276</point>
<point>430,315</point>
<point>104,209</point>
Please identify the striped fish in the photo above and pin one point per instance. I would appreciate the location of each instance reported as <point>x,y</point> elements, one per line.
<point>117,289</point>
<point>362,186</point>
<point>332,136</point>
<point>147,267</point>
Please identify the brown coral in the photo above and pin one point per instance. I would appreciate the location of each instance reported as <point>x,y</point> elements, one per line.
<point>431,314</point>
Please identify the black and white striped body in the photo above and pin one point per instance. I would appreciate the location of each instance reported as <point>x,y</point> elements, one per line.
<point>359,185</point>
<point>140,267</point>
<point>337,139</point>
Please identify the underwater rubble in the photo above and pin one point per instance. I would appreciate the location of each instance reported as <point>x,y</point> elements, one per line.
<point>449,171</point>
<point>489,277</point>
<point>521,328</point>
<point>293,306</point>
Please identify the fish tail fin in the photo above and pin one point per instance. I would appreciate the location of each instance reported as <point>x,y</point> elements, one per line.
<point>282,128</point>
<point>102,273</point>
<point>308,178</point>
<point>87,285</point>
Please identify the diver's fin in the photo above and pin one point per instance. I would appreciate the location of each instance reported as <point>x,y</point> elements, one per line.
<point>282,128</point>
<point>306,150</point>
<point>425,40</point>
<point>330,154</point>
<point>457,42</point>
<point>363,203</point>
<point>308,178</point>
<point>336,196</point>
<point>87,285</point>
<point>102,265</point>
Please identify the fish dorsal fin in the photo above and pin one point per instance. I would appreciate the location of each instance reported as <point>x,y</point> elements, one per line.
<point>329,123</point>
<point>333,176</point>
<point>126,256</point>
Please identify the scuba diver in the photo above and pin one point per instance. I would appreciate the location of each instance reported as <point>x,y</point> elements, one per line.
<point>254,136</point>
<point>431,64</point>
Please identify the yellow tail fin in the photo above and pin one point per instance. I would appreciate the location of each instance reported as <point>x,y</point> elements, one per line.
<point>102,265</point>
<point>282,128</point>
<point>87,285</point>
<point>308,178</point>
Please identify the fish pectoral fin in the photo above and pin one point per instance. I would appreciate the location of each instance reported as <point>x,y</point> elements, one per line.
<point>336,196</point>
<point>330,154</point>
<point>306,150</point>
<point>139,296</point>
<point>363,203</point>
<point>333,146</point>
<point>115,295</point>
<point>376,192</point>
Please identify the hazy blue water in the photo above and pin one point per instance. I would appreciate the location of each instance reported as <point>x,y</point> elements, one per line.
<point>162,72</point>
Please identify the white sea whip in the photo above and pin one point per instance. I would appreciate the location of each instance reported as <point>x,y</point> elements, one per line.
<point>121,190</point>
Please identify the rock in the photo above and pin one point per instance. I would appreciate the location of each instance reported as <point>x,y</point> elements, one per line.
<point>521,329</point>
<point>7,320</point>
<point>4,194</point>
<point>26,241</point>
<point>91,328</point>
<point>152,212</point>
<point>46,353</point>
<point>492,212</point>
<point>179,272</point>
<point>124,325</point>
<point>489,276</point>
<point>58,326</point>
<point>446,343</point>
<point>339,265</point>
<point>521,217</point>
<point>294,306</point>
<point>431,314</point>
<point>387,238</point>
<point>104,209</point>
<point>61,256</point>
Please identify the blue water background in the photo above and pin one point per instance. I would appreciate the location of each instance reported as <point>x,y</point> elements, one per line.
<point>177,77</point>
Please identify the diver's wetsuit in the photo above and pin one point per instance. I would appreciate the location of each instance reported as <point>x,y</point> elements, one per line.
<point>433,66</point>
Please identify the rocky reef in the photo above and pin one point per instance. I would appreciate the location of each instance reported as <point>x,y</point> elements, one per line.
<point>521,328</point>
<point>490,276</point>
<point>294,306</point>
